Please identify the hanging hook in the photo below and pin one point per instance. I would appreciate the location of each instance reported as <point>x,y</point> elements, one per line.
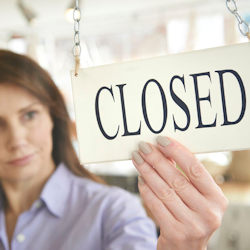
<point>77,65</point>
<point>242,25</point>
<point>77,46</point>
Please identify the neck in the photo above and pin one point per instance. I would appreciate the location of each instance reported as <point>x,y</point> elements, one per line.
<point>20,198</point>
<point>20,195</point>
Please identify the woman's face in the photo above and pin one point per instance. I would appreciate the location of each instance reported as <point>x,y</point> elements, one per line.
<point>25,136</point>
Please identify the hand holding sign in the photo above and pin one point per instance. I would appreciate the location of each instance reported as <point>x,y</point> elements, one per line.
<point>188,208</point>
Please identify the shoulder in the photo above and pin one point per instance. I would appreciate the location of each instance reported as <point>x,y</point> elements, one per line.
<point>91,189</point>
<point>108,200</point>
<point>120,214</point>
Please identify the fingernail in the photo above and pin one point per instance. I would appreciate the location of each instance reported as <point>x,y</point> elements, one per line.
<point>145,148</point>
<point>137,158</point>
<point>163,141</point>
<point>140,180</point>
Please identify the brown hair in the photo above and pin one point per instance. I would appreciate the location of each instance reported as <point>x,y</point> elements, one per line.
<point>25,73</point>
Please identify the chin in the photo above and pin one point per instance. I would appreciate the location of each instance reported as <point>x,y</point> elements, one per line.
<point>25,173</point>
<point>28,169</point>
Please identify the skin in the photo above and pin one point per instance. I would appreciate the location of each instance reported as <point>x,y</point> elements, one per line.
<point>188,209</point>
<point>25,131</point>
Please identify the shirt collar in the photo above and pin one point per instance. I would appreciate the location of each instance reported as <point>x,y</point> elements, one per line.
<point>56,190</point>
<point>1,199</point>
<point>2,221</point>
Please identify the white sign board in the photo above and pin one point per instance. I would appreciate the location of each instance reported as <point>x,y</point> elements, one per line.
<point>199,98</point>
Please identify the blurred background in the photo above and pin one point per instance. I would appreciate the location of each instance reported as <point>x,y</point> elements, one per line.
<point>117,30</point>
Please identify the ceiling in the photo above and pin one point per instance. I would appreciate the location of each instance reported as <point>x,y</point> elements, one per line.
<point>98,15</point>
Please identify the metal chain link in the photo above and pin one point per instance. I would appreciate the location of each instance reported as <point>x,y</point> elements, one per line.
<point>242,25</point>
<point>77,45</point>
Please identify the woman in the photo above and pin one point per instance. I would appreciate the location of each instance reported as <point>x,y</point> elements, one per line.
<point>49,201</point>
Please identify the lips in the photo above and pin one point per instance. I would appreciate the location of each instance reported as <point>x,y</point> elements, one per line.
<point>22,160</point>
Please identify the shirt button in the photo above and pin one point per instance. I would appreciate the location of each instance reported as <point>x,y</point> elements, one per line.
<point>20,238</point>
<point>38,204</point>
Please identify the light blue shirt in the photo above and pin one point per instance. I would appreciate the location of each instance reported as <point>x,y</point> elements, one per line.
<point>75,213</point>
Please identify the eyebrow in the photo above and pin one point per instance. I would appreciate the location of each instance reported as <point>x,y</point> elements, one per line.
<point>28,107</point>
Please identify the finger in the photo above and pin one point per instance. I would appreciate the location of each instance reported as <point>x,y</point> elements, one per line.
<point>171,175</point>
<point>194,170</point>
<point>161,214</point>
<point>162,190</point>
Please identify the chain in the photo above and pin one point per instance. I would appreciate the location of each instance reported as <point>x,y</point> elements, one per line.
<point>77,45</point>
<point>242,25</point>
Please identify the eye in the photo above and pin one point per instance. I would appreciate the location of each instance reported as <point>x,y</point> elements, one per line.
<point>30,115</point>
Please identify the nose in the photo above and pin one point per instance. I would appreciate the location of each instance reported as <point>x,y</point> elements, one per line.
<point>16,136</point>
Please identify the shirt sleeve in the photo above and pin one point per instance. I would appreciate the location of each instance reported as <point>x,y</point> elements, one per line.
<point>126,224</point>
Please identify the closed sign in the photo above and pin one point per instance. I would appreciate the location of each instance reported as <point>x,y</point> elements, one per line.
<point>200,98</point>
